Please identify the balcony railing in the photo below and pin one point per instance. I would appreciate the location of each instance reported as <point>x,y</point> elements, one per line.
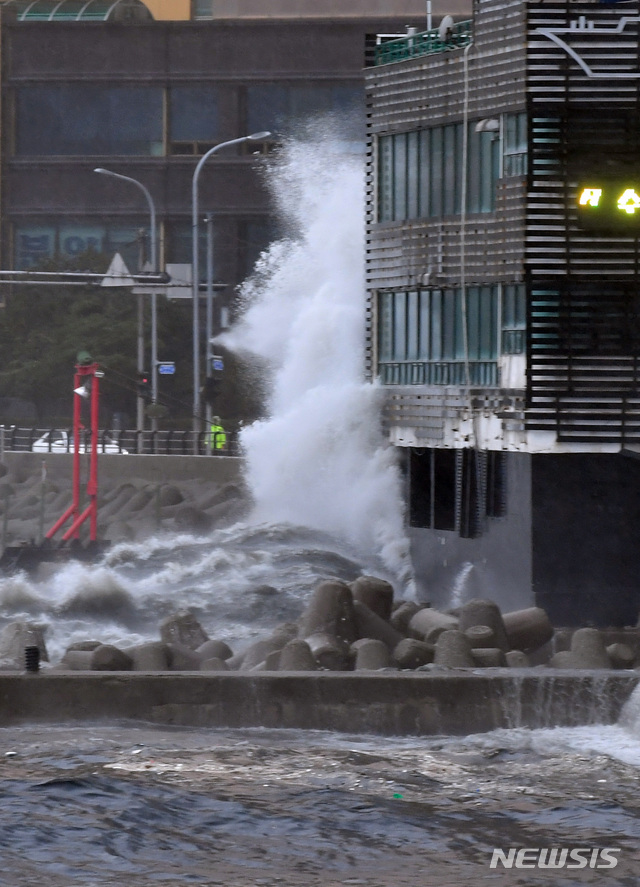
<point>441,372</point>
<point>425,43</point>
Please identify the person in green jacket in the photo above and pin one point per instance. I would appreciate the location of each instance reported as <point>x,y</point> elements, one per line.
<point>218,434</point>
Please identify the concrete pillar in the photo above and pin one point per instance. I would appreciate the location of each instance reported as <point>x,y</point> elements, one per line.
<point>376,593</point>
<point>588,649</point>
<point>184,629</point>
<point>76,660</point>
<point>489,657</point>
<point>527,629</point>
<point>15,637</point>
<point>621,655</point>
<point>183,658</point>
<point>154,656</point>
<point>213,664</point>
<point>481,636</point>
<point>402,614</point>
<point>428,624</point>
<point>517,659</point>
<point>453,650</point>
<point>330,611</point>
<point>371,655</point>
<point>484,612</point>
<point>260,650</point>
<point>370,625</point>
<point>214,650</point>
<point>563,659</point>
<point>411,653</point>
<point>297,656</point>
<point>106,657</point>
<point>328,651</point>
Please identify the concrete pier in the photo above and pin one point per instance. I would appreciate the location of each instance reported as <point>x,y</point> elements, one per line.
<point>454,703</point>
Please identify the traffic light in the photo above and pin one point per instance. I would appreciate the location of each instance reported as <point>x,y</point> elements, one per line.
<point>210,389</point>
<point>143,386</point>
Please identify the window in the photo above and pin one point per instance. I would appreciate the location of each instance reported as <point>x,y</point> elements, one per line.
<point>37,243</point>
<point>456,489</point>
<point>514,319</point>
<point>280,108</point>
<point>515,145</point>
<point>194,118</point>
<point>76,119</point>
<point>420,172</point>
<point>422,337</point>
<point>432,489</point>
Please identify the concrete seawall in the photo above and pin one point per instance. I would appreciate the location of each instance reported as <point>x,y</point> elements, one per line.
<point>455,703</point>
<point>140,484</point>
<point>114,469</point>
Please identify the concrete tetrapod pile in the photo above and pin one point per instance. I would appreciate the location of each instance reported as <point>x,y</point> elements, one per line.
<point>353,626</point>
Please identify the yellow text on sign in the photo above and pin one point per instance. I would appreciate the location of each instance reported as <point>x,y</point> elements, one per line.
<point>590,196</point>
<point>629,202</point>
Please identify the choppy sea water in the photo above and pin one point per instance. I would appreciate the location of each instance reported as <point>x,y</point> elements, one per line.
<point>140,806</point>
<point>137,806</point>
<point>239,582</point>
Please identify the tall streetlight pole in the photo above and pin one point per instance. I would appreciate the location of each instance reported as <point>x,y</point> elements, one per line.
<point>195,270</point>
<point>154,306</point>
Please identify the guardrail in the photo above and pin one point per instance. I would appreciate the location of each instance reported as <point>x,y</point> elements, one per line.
<point>413,45</point>
<point>128,442</point>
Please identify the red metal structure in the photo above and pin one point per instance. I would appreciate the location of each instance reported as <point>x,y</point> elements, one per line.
<point>85,384</point>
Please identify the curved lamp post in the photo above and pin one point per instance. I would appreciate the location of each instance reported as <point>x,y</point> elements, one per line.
<point>195,270</point>
<point>154,323</point>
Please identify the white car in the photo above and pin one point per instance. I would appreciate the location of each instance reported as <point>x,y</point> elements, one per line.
<point>60,442</point>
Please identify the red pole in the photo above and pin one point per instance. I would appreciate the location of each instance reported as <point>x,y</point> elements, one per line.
<point>92,485</point>
<point>91,512</point>
<point>77,405</point>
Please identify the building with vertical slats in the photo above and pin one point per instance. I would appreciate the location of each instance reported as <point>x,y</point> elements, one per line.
<point>503,272</point>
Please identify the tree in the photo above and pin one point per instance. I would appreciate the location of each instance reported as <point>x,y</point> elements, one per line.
<point>43,328</point>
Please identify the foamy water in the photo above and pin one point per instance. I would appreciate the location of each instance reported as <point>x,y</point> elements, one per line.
<point>240,582</point>
<point>319,459</point>
<point>325,485</point>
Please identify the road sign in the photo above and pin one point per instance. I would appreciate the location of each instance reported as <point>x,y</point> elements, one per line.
<point>166,368</point>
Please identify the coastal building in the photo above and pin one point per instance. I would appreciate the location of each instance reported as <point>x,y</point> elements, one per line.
<point>144,90</point>
<point>503,281</point>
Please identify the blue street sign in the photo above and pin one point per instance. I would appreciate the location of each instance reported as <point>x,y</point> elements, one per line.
<point>167,369</point>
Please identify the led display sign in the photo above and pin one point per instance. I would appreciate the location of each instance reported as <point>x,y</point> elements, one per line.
<point>609,205</point>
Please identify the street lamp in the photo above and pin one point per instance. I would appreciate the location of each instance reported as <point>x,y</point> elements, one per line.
<point>154,306</point>
<point>195,271</point>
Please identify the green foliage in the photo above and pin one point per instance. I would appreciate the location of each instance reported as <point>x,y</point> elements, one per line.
<point>43,328</point>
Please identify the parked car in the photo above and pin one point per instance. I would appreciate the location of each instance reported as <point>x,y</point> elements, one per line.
<point>60,442</point>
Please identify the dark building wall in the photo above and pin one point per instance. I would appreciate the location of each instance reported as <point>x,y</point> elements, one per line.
<point>232,58</point>
<point>495,565</point>
<point>569,542</point>
<point>586,538</point>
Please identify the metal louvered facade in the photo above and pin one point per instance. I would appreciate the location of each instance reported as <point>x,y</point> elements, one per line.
<point>573,70</point>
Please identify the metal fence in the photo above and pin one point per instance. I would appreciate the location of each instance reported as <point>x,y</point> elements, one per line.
<point>155,443</point>
<point>413,45</point>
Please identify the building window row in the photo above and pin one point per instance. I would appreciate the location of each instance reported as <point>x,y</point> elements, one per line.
<point>72,119</point>
<point>50,240</point>
<point>434,337</point>
<point>456,489</point>
<point>420,173</point>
